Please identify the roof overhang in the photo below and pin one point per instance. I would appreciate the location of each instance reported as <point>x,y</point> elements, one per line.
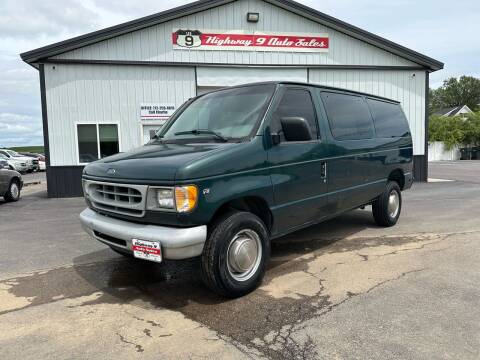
<point>35,56</point>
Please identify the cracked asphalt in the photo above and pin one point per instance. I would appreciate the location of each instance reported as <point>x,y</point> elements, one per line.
<point>343,289</point>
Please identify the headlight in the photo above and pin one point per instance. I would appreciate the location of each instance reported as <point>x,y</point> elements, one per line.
<point>165,198</point>
<point>179,198</point>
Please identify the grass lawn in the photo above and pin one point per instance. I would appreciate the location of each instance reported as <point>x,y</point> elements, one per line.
<point>32,149</point>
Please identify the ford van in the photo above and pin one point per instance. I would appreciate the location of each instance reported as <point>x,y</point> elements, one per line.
<point>236,168</point>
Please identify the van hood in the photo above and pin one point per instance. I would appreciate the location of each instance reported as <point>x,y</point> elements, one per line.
<point>152,162</point>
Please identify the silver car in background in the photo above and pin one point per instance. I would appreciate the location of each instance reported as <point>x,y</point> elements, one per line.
<point>3,163</point>
<point>18,162</point>
<point>11,184</point>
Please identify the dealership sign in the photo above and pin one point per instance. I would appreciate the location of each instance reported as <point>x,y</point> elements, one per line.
<point>156,111</point>
<point>241,40</point>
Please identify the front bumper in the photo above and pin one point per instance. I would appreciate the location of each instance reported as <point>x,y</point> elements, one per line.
<point>176,243</point>
<point>20,167</point>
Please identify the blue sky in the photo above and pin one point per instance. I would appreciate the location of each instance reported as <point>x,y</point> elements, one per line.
<point>445,30</point>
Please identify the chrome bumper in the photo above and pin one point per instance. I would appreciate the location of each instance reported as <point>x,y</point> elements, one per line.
<point>176,243</point>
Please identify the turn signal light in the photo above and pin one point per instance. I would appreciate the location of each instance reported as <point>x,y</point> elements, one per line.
<point>186,198</point>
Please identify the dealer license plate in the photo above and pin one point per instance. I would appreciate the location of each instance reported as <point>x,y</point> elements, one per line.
<point>147,250</point>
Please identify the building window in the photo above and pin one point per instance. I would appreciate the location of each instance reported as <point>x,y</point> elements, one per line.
<point>96,141</point>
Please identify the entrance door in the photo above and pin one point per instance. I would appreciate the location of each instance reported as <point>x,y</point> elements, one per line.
<point>297,172</point>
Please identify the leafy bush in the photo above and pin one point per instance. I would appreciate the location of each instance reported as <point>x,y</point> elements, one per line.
<point>457,130</point>
<point>472,129</point>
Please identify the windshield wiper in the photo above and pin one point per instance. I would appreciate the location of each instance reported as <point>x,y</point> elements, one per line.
<point>199,132</point>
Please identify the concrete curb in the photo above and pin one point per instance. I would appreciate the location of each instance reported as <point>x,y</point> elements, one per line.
<point>31,183</point>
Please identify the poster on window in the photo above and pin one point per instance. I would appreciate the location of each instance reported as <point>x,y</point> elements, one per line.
<point>156,111</point>
<point>194,39</point>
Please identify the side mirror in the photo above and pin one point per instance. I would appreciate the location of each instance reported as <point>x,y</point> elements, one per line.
<point>296,129</point>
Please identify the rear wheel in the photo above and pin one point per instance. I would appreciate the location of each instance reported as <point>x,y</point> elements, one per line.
<point>235,254</point>
<point>13,192</point>
<point>387,207</point>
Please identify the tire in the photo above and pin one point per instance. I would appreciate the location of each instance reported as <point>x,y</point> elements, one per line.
<point>387,207</point>
<point>240,233</point>
<point>13,192</point>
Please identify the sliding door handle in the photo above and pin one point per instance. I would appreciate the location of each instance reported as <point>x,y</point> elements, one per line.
<point>323,171</point>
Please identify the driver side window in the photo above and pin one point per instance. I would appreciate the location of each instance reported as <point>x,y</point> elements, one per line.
<point>295,103</point>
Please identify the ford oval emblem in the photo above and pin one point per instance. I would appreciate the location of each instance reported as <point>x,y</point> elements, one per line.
<point>111,171</point>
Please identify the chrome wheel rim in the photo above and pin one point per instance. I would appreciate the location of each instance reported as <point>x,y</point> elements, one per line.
<point>244,255</point>
<point>393,204</point>
<point>14,190</point>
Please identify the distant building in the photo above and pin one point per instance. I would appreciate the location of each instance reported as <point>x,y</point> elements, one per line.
<point>453,111</point>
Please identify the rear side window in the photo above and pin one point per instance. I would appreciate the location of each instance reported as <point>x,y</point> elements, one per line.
<point>348,116</point>
<point>388,118</point>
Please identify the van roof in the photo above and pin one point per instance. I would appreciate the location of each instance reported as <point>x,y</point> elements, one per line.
<point>310,85</point>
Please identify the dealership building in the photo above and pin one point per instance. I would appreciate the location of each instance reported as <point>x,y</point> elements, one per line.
<point>109,90</point>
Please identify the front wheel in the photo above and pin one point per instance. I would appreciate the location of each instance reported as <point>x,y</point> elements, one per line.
<point>235,254</point>
<point>13,192</point>
<point>387,207</point>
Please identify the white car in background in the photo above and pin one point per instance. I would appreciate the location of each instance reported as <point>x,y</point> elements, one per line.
<point>38,160</point>
<point>18,162</point>
<point>14,164</point>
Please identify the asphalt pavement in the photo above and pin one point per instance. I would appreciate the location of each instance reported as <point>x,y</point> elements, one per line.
<point>344,289</point>
<point>34,178</point>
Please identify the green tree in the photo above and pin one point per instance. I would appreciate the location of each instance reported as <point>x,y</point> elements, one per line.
<point>462,130</point>
<point>456,92</point>
<point>471,129</point>
<point>449,130</point>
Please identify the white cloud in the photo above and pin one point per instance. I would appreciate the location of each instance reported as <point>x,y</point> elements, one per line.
<point>18,129</point>
<point>33,18</point>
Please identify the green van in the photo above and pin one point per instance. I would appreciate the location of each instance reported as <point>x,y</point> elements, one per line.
<point>238,167</point>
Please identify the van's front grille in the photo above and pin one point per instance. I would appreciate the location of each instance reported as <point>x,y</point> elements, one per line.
<point>117,209</point>
<point>120,194</point>
<point>122,199</point>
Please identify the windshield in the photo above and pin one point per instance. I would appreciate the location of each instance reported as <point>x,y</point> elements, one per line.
<point>222,115</point>
<point>13,153</point>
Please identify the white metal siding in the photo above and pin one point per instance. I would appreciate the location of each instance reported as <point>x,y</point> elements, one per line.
<point>107,94</point>
<point>155,44</point>
<point>213,76</point>
<point>408,87</point>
